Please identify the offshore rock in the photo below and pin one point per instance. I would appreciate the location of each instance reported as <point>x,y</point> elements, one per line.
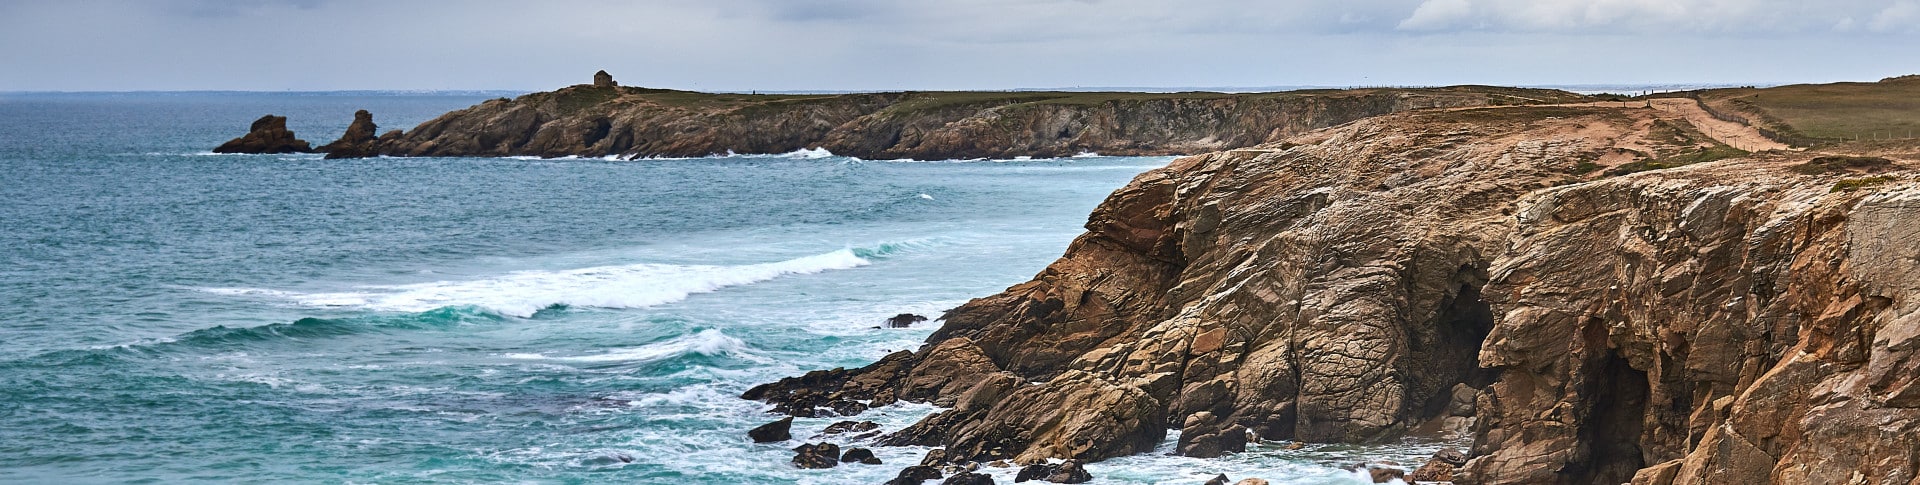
<point>811,455</point>
<point>269,134</point>
<point>904,320</point>
<point>916,475</point>
<point>969,478</point>
<point>772,432</point>
<point>859,455</point>
<point>1070,471</point>
<point>358,141</point>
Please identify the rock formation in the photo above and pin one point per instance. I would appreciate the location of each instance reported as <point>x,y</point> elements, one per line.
<point>357,142</point>
<point>772,432</point>
<point>1732,321</point>
<point>269,134</point>
<point>606,120</point>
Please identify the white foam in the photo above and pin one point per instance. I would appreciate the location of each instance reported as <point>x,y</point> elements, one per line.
<point>704,342</point>
<point>925,196</point>
<point>522,293</point>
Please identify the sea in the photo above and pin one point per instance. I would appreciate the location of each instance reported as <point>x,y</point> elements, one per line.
<point>170,315</point>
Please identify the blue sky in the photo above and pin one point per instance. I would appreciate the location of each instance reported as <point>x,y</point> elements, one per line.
<point>274,45</point>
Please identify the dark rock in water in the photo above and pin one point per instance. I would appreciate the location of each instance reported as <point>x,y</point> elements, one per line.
<point>775,431</point>
<point>1451,456</point>
<point>904,320</point>
<point>859,455</point>
<point>1070,471</point>
<point>1204,437</point>
<point>815,456</point>
<point>269,134</point>
<point>969,478</point>
<point>850,427</point>
<point>603,80</point>
<point>1219,480</point>
<point>1384,475</point>
<point>935,457</point>
<point>915,475</point>
<point>358,141</point>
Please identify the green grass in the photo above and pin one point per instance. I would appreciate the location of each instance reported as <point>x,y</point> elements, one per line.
<point>1831,112</point>
<point>1681,159</point>
<point>1850,185</point>
<point>1842,163</point>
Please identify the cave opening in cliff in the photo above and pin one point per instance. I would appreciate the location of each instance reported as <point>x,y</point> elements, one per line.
<point>1614,423</point>
<point>1454,349</point>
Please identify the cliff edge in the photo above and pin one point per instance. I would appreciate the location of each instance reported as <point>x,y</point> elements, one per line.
<point>1595,294</point>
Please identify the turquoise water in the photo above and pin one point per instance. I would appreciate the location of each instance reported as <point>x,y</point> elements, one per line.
<point>169,315</point>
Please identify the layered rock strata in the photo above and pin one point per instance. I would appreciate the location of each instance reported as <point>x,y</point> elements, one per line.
<point>1735,321</point>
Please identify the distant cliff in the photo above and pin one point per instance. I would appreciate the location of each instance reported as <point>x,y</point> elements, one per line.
<point>605,119</point>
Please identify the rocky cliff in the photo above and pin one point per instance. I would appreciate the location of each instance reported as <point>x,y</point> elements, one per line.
<point>605,119</point>
<point>1611,295</point>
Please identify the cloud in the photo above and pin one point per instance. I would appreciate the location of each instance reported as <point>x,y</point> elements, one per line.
<point>1899,17</point>
<point>1656,16</point>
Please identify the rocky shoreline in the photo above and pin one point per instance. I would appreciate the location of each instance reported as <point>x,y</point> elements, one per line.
<point>605,119</point>
<point>1516,274</point>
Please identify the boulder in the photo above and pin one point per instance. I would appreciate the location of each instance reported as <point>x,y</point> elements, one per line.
<point>1070,471</point>
<point>1384,475</point>
<point>1251,481</point>
<point>851,430</point>
<point>772,432</point>
<point>969,478</point>
<point>815,456</point>
<point>859,455</point>
<point>915,475</point>
<point>1204,437</point>
<point>1220,479</point>
<point>269,134</point>
<point>904,320</point>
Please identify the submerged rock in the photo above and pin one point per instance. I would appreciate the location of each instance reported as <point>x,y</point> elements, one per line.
<point>269,134</point>
<point>1220,479</point>
<point>771,432</point>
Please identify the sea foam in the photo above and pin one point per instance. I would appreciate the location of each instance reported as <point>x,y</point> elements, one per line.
<point>522,293</point>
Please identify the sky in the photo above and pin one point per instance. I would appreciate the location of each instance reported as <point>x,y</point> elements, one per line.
<point>776,45</point>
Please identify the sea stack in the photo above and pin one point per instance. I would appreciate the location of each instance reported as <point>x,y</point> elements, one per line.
<point>269,134</point>
<point>357,142</point>
<point>603,80</point>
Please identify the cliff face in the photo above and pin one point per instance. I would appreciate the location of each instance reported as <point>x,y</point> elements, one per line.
<point>608,120</point>
<point>1734,321</point>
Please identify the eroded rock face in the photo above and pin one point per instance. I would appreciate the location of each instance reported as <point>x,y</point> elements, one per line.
<point>1728,322</point>
<point>1721,325</point>
<point>269,134</point>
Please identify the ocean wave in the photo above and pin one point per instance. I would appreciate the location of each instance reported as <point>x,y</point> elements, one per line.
<point>524,293</point>
<point>311,328</point>
<point>709,342</point>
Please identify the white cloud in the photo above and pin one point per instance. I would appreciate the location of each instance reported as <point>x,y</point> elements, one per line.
<point>1899,17</point>
<point>1438,14</point>
<point>1659,16</point>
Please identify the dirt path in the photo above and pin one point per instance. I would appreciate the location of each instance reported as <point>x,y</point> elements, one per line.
<point>1738,135</point>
